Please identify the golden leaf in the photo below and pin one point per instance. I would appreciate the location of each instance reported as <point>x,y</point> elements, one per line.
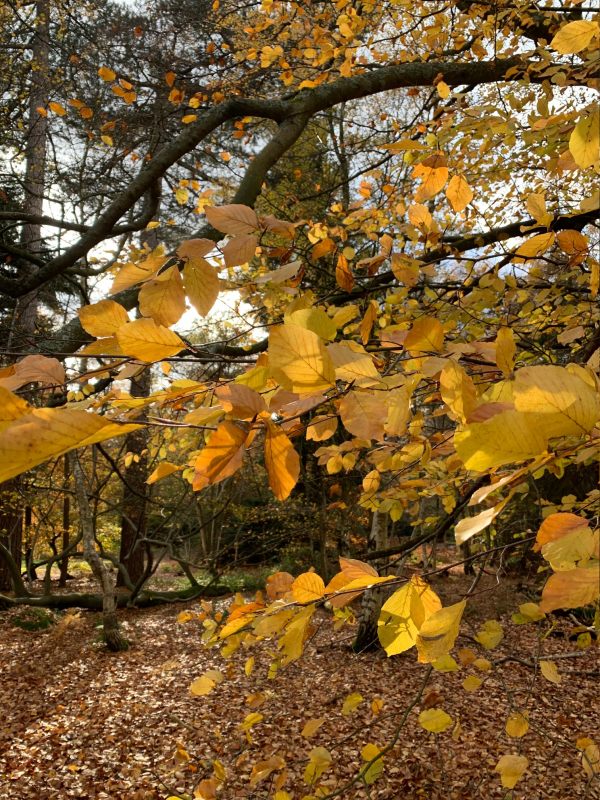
<point>282,462</point>
<point>163,298</point>
<point>435,720</point>
<point>511,769</point>
<point>222,456</point>
<point>308,587</point>
<point>103,318</point>
<point>201,284</point>
<point>234,219</point>
<point>363,414</point>
<point>298,359</point>
<point>572,588</point>
<point>459,193</point>
<point>574,36</point>
<point>147,341</point>
<point>438,633</point>
<point>517,724</point>
<point>585,140</point>
<point>162,470</point>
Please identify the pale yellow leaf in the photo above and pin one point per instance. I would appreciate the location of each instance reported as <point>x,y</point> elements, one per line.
<point>103,318</point>
<point>490,634</point>
<point>505,351</point>
<point>511,769</point>
<point>201,284</point>
<point>311,727</point>
<point>282,462</point>
<point>321,428</point>
<point>584,141</point>
<point>458,391</point>
<point>351,703</point>
<point>145,340</point>
<point>438,632</point>
<point>315,320</point>
<point>574,36</point>
<point>298,359</point>
<point>354,365</point>
<point>459,193</point>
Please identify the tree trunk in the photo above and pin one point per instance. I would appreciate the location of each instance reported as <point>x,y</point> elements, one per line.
<point>135,494</point>
<point>104,575</point>
<point>64,561</point>
<point>372,599</point>
<point>11,533</point>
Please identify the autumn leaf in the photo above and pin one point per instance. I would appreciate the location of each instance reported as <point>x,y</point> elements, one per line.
<point>435,720</point>
<point>574,36</point>
<point>234,219</point>
<point>459,193</point>
<point>438,632</point>
<point>222,455</point>
<point>201,283</point>
<point>511,769</point>
<point>147,341</point>
<point>103,318</point>
<point>281,461</point>
<point>308,587</point>
<point>298,359</point>
<point>163,298</point>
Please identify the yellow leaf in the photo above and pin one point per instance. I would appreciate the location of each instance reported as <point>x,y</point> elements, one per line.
<point>201,284</point>
<point>471,683</point>
<point>438,633</point>
<point>131,273</point>
<point>443,90</point>
<point>536,246</point>
<point>573,588</point>
<point>57,108</point>
<point>321,428</point>
<point>511,769</point>
<point>202,686</point>
<point>490,634</point>
<point>195,248</point>
<point>435,720</point>
<point>108,140</point>
<point>30,436</point>
<point>240,400</point>
<point>222,456</point>
<point>282,462</point>
<point>351,703</point>
<point>426,335</point>
<point>507,437</point>
<point>298,359</point>
<point>445,664</point>
<point>458,391</point>
<point>163,298</point>
<point>311,727</point>
<point>296,633</point>
<point>262,769</point>
<point>308,587</point>
<point>459,193</point>
<point>103,318</point>
<point>517,724</point>
<point>187,119</point>
<point>354,365</point>
<point>107,74</point>
<point>182,196</point>
<point>315,320</point>
<point>561,403</point>
<point>574,36</point>
<point>420,217</point>
<point>505,351</point>
<point>377,705</point>
<point>536,205</point>
<point>320,761</point>
<point>147,341</point>
<point>404,613</point>
<point>370,752</point>
<point>585,140</point>
<point>590,757</point>
<point>162,470</point>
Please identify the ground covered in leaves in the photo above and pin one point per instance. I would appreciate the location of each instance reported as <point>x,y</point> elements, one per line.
<point>80,722</point>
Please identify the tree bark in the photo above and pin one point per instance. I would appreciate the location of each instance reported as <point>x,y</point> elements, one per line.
<point>135,494</point>
<point>104,575</point>
<point>372,599</point>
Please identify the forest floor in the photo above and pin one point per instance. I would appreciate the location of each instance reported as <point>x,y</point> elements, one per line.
<point>79,722</point>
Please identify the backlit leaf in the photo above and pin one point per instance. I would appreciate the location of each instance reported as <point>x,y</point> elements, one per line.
<point>584,141</point>
<point>308,587</point>
<point>298,359</point>
<point>147,341</point>
<point>574,36</point>
<point>572,588</point>
<point>201,284</point>
<point>438,633</point>
<point>234,219</point>
<point>103,318</point>
<point>282,462</point>
<point>162,298</point>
